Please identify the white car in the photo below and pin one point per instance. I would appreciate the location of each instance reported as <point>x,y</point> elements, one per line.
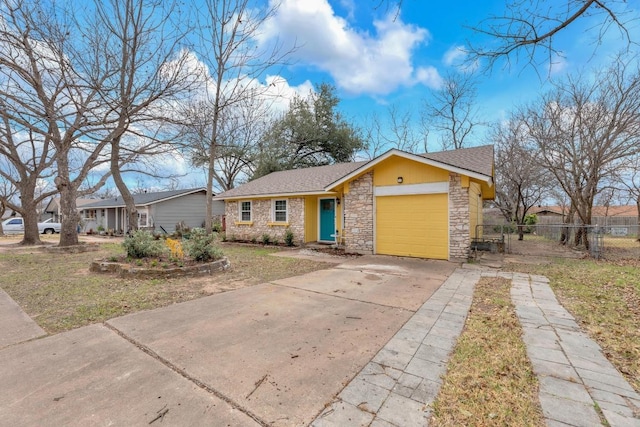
<point>16,226</point>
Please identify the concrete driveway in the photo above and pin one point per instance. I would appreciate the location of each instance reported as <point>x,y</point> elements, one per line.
<point>271,354</point>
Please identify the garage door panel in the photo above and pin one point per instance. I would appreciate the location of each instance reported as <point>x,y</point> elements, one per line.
<point>414,225</point>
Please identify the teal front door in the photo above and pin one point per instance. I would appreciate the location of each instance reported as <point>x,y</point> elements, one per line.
<point>327,220</point>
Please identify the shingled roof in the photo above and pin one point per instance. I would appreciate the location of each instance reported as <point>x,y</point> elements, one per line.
<point>474,159</point>
<point>142,199</point>
<point>315,180</point>
<point>295,181</point>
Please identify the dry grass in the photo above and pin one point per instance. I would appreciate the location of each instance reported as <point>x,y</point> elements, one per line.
<point>59,292</point>
<point>604,297</point>
<point>489,380</point>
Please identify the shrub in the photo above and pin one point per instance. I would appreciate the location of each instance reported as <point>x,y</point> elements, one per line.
<point>201,246</point>
<point>142,244</point>
<point>175,247</point>
<point>266,239</point>
<point>288,237</point>
<point>216,226</point>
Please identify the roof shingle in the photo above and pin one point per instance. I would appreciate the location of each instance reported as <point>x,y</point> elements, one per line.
<point>316,179</point>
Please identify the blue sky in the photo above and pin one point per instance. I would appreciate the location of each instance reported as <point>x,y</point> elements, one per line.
<point>377,58</point>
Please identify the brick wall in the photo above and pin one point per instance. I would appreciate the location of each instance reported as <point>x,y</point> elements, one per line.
<point>459,240</point>
<point>358,215</point>
<point>261,219</point>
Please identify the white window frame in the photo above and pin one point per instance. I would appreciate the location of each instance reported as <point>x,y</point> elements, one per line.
<point>273,210</point>
<point>145,213</point>
<point>241,211</point>
<point>90,214</point>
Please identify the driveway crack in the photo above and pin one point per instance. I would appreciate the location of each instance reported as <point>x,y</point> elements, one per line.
<point>188,377</point>
<point>341,297</point>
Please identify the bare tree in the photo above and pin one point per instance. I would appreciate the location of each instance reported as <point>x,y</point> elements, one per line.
<point>84,86</point>
<point>452,112</point>
<point>241,127</point>
<point>586,130</point>
<point>396,130</point>
<point>138,48</point>
<point>628,180</point>
<point>35,98</point>
<point>521,181</point>
<point>228,33</point>
<point>529,27</point>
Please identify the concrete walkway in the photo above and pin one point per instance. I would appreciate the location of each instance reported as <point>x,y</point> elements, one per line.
<point>15,325</point>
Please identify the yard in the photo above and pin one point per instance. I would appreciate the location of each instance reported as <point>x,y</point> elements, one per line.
<point>604,297</point>
<point>60,293</point>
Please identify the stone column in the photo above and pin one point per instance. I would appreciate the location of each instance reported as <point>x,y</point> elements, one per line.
<point>459,233</point>
<point>358,215</point>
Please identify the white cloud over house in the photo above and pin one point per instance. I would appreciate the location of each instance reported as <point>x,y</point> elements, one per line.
<point>373,62</point>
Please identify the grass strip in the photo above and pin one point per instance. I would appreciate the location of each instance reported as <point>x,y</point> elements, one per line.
<point>489,380</point>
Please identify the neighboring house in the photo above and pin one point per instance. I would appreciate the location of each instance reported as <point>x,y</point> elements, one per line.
<point>399,203</point>
<point>159,211</point>
<point>52,210</point>
<point>606,216</point>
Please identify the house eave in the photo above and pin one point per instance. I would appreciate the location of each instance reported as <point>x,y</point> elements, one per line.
<point>395,152</point>
<point>274,195</point>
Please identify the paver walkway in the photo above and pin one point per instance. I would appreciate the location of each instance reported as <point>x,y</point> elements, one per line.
<point>574,375</point>
<point>398,386</point>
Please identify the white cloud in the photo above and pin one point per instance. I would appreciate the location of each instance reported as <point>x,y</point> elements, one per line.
<point>358,61</point>
<point>457,56</point>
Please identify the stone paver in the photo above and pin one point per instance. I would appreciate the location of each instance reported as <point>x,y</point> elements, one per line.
<point>575,377</point>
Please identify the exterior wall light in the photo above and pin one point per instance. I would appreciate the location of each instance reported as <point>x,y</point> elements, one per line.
<point>400,180</point>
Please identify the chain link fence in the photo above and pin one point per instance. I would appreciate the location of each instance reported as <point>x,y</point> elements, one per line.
<point>614,242</point>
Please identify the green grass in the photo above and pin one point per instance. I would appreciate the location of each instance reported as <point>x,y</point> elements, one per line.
<point>60,293</point>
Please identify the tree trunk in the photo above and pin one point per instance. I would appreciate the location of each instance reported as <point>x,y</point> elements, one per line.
<point>30,218</point>
<point>3,209</point>
<point>132,211</point>
<point>70,216</point>
<point>520,232</point>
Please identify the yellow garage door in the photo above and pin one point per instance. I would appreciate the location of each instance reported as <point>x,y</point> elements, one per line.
<point>415,226</point>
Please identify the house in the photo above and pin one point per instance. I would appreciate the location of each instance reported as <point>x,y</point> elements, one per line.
<point>605,216</point>
<point>399,203</point>
<point>52,210</point>
<point>158,211</point>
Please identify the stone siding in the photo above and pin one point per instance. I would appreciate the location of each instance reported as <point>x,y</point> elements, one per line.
<point>459,233</point>
<point>261,222</point>
<point>358,215</point>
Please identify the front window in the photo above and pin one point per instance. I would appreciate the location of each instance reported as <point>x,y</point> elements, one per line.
<point>142,219</point>
<point>90,214</point>
<point>280,210</point>
<point>245,211</point>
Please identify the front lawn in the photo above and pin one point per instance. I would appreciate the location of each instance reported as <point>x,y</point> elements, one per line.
<point>59,292</point>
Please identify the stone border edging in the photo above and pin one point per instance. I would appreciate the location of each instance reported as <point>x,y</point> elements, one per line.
<point>127,271</point>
